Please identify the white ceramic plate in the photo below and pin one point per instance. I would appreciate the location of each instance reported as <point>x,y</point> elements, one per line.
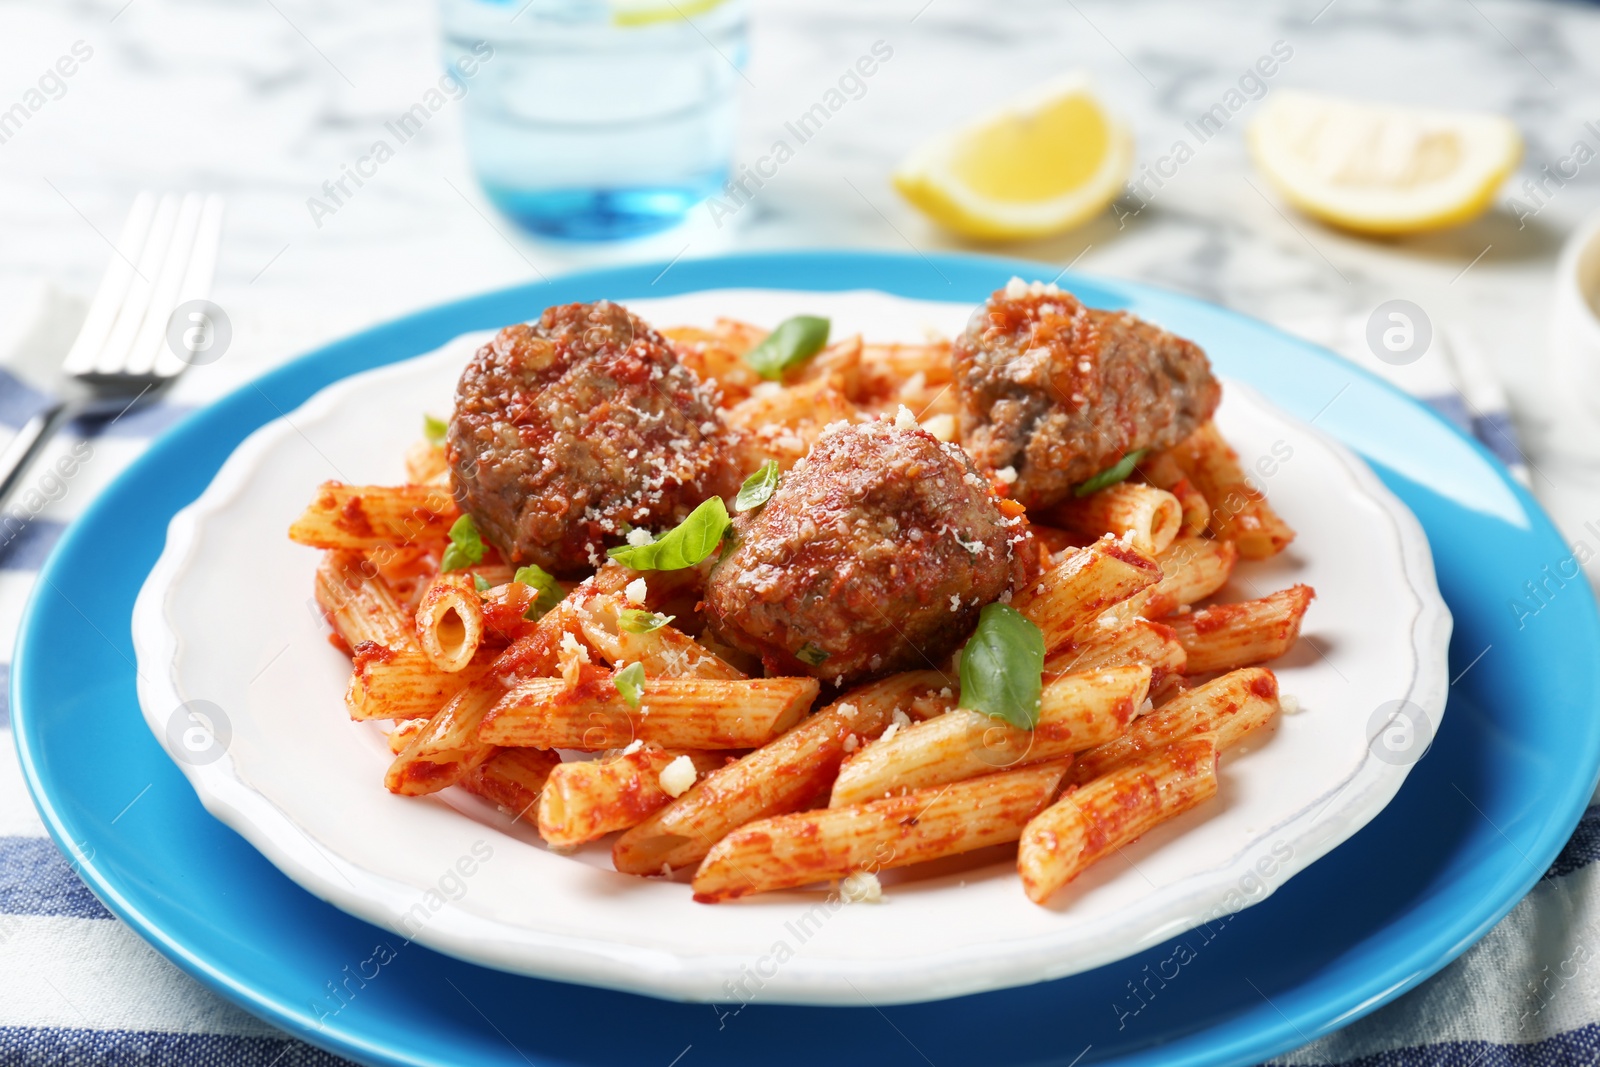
<point>227,617</point>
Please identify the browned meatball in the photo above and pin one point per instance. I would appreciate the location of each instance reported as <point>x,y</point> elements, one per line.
<point>1059,392</point>
<point>568,427</point>
<point>874,554</point>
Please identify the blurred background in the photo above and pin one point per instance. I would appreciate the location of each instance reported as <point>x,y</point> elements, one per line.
<point>591,134</point>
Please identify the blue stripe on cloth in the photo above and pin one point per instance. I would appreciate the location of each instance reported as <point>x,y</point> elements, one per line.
<point>1574,1047</point>
<point>19,401</point>
<point>42,1046</point>
<point>1453,408</point>
<point>1581,849</point>
<point>146,419</point>
<point>35,879</point>
<point>25,543</point>
<point>1496,433</point>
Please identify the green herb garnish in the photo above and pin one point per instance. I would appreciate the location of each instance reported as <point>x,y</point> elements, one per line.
<point>639,621</point>
<point>480,583</point>
<point>811,654</point>
<point>548,589</point>
<point>466,547</point>
<point>758,488</point>
<point>1113,474</point>
<point>684,545</point>
<point>1002,667</point>
<point>434,429</point>
<point>791,344</point>
<point>630,683</point>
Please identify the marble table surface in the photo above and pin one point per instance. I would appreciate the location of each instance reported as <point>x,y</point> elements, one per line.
<point>263,101</point>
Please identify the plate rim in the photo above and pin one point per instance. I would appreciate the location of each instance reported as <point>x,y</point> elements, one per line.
<point>384,898</point>
<point>1311,1009</point>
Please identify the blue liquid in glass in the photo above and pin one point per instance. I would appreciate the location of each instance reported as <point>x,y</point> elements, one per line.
<point>582,128</point>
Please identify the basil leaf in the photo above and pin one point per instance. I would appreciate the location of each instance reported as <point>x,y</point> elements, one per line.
<point>434,429</point>
<point>480,583</point>
<point>758,488</point>
<point>1113,474</point>
<point>791,344</point>
<point>548,589</point>
<point>466,547</point>
<point>1002,667</point>
<point>684,545</point>
<point>811,654</point>
<point>630,683</point>
<point>639,621</point>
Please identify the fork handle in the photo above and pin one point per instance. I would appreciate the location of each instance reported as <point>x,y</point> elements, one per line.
<point>19,455</point>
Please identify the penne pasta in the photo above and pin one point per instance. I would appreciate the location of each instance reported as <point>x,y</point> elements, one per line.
<point>1192,569</point>
<point>513,778</point>
<point>1239,511</point>
<point>815,846</point>
<point>449,621</point>
<point>839,364</point>
<point>404,732</point>
<point>392,677</point>
<point>674,712</point>
<point>1140,642</point>
<point>781,776</point>
<point>448,750</point>
<point>887,368</point>
<point>388,685</point>
<point>426,464</point>
<point>1076,712</point>
<point>1080,589</point>
<point>664,652</point>
<point>1090,822</point>
<point>1225,709</point>
<point>1163,472</point>
<point>1153,516</point>
<point>1226,636</point>
<point>375,516</point>
<point>587,799</point>
<point>783,423</point>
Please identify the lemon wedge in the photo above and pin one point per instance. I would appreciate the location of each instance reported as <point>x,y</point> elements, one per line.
<point>649,12</point>
<point>1381,169</point>
<point>1046,162</point>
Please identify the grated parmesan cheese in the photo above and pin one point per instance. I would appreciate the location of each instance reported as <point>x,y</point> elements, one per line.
<point>904,420</point>
<point>636,591</point>
<point>1289,704</point>
<point>942,426</point>
<point>1007,475</point>
<point>862,887</point>
<point>639,536</point>
<point>677,776</point>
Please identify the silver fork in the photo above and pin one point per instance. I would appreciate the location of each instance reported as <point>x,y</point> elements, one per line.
<point>165,257</point>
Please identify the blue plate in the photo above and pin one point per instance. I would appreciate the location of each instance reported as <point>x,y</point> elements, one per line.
<point>1476,824</point>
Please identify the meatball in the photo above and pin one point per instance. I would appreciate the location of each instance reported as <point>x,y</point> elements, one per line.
<point>1059,392</point>
<point>874,554</point>
<point>571,426</point>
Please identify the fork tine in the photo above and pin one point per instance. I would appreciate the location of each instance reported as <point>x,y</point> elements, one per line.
<point>151,335</point>
<point>103,309</point>
<point>115,353</point>
<point>197,279</point>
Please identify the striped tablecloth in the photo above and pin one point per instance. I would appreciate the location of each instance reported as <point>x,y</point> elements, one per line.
<point>77,987</point>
